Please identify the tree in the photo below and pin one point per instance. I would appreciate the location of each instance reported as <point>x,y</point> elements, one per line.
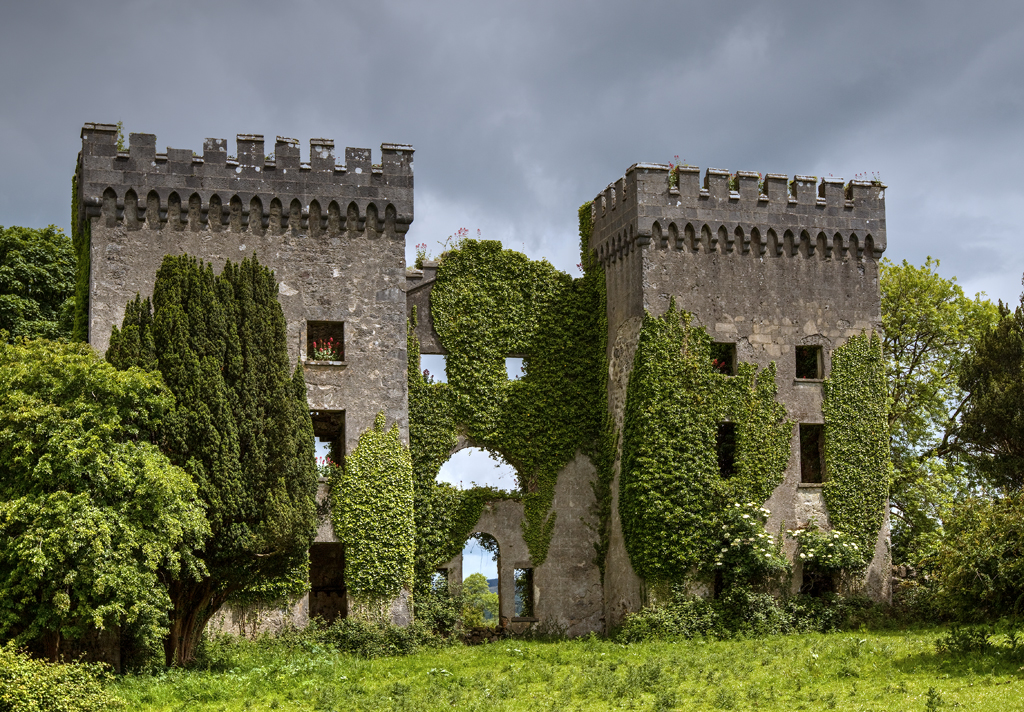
<point>240,428</point>
<point>91,514</point>
<point>481,606</point>
<point>37,282</point>
<point>929,327</point>
<point>992,423</point>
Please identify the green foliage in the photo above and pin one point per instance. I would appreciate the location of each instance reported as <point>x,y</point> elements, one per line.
<point>28,685</point>
<point>827,552</point>
<point>481,606</point>
<point>36,280</point>
<point>992,423</point>
<point>489,303</point>
<point>372,511</point>
<point>930,326</point>
<point>976,570</point>
<point>92,516</point>
<point>749,553</point>
<point>740,612</point>
<point>857,465</point>
<point>241,426</point>
<point>81,242</point>
<point>672,495</point>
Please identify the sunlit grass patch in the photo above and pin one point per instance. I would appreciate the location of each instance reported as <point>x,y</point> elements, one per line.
<point>858,671</point>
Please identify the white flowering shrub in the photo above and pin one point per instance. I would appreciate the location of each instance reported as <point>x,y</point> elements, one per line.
<point>749,555</point>
<point>827,552</point>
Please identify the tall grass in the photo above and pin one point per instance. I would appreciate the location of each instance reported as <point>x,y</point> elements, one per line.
<point>859,671</point>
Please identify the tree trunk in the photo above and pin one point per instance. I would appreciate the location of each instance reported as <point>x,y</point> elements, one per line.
<point>194,604</point>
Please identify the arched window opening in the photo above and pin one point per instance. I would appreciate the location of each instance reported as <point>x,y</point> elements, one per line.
<point>476,467</point>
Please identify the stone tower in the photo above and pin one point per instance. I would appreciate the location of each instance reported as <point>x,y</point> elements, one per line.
<point>774,268</point>
<point>333,234</point>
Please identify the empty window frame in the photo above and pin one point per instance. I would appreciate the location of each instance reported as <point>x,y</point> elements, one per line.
<point>812,453</point>
<point>725,446</point>
<point>524,593</point>
<point>329,433</point>
<point>325,341</point>
<point>434,368</point>
<point>328,597</point>
<point>515,367</point>
<point>809,362</point>
<point>723,358</point>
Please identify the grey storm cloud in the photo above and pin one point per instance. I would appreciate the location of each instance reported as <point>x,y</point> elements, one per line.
<point>520,112</point>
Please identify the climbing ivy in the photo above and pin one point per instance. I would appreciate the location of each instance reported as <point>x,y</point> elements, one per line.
<point>81,241</point>
<point>857,464</point>
<point>672,497</point>
<point>372,513</point>
<point>489,303</point>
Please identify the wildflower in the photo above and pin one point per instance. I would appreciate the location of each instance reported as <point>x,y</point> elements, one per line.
<point>802,555</point>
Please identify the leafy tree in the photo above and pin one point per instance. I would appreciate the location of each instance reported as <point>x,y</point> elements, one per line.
<point>976,570</point>
<point>241,428</point>
<point>992,423</point>
<point>930,325</point>
<point>37,281</point>
<point>481,607</point>
<point>92,516</point>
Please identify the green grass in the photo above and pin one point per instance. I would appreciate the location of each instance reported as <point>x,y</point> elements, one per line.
<point>844,671</point>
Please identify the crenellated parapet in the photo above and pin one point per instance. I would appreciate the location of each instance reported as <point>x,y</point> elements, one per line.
<point>245,192</point>
<point>739,213</point>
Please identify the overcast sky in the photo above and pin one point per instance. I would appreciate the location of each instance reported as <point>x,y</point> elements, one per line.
<point>522,111</point>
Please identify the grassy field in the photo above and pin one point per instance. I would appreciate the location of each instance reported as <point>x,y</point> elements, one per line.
<point>843,671</point>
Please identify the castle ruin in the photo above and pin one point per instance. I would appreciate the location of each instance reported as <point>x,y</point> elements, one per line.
<point>776,270</point>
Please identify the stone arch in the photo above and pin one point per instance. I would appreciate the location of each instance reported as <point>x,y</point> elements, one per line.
<point>214,214</point>
<point>806,247</point>
<point>656,237</point>
<point>176,218</point>
<point>195,213</point>
<point>315,218</point>
<point>276,213</point>
<point>131,210</point>
<point>153,221</point>
<point>352,217</point>
<point>295,216</point>
<point>774,245</point>
<point>690,238</point>
<point>390,218</point>
<point>333,218</point>
<point>869,248</point>
<point>706,239</point>
<point>789,243</point>
<point>756,243</point>
<point>109,209</point>
<point>256,225</point>
<point>371,219</point>
<point>823,247</point>
<point>673,237</point>
<point>723,239</point>
<point>235,216</point>
<point>837,246</point>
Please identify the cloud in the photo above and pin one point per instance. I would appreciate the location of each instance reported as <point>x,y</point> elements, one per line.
<point>522,111</point>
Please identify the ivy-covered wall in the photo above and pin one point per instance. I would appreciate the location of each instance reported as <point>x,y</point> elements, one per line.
<point>489,303</point>
<point>372,512</point>
<point>857,463</point>
<point>673,496</point>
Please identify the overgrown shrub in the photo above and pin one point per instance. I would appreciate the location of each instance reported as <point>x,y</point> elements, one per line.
<point>30,685</point>
<point>739,613</point>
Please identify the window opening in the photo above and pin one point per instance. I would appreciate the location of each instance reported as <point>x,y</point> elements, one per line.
<point>325,341</point>
<point>434,368</point>
<point>476,467</point>
<point>725,446</point>
<point>515,368</point>
<point>524,593</point>
<point>480,583</point>
<point>812,453</point>
<point>808,362</point>
<point>723,358</point>
<point>327,595</point>
<point>329,434</point>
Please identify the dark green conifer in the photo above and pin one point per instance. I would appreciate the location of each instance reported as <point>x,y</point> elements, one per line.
<point>241,428</point>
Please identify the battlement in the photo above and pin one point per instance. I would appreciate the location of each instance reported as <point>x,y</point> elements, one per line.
<point>738,213</point>
<point>245,191</point>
